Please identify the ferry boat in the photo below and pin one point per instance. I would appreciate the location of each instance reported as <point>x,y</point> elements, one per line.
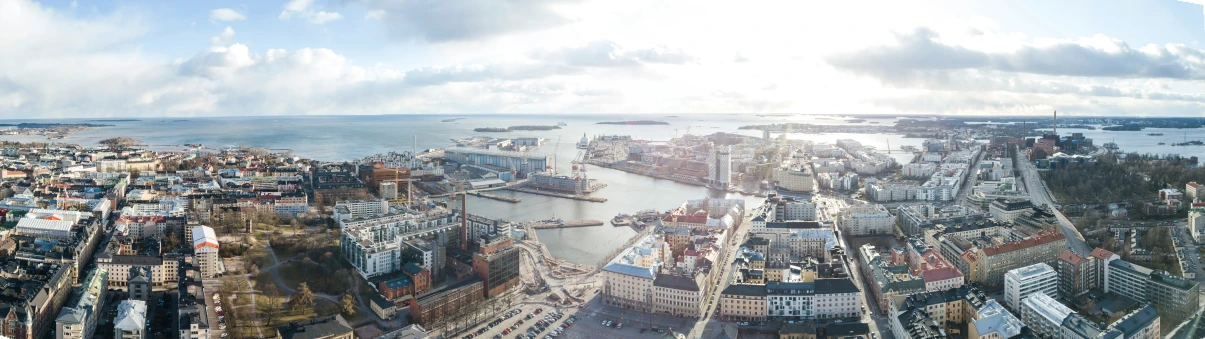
<point>584,142</point>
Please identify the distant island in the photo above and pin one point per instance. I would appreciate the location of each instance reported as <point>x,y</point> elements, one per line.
<point>1127,127</point>
<point>51,125</point>
<point>451,120</point>
<point>634,122</point>
<point>113,120</point>
<point>515,128</point>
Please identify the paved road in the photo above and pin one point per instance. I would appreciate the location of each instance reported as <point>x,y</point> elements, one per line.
<point>972,176</point>
<point>1040,195</point>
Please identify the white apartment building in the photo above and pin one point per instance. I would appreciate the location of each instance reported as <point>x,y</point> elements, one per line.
<point>374,245</point>
<point>677,295</point>
<point>205,251</point>
<point>795,177</point>
<point>820,299</point>
<point>1196,224</point>
<point>628,278</point>
<point>388,190</point>
<point>867,219</point>
<point>719,166</point>
<point>1044,315</point>
<point>131,320</point>
<point>357,209</point>
<point>1029,280</point>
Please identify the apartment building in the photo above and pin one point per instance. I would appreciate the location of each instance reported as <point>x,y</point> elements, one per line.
<point>743,302</point>
<point>795,177</point>
<point>1177,297</point>
<point>1044,315</point>
<point>374,245</point>
<point>1077,275</point>
<point>360,209</point>
<point>884,279</point>
<point>930,314</point>
<point>988,265</point>
<point>914,218</point>
<point>677,295</point>
<point>1029,280</point>
<point>1143,323</point>
<point>870,219</point>
<point>130,322</point>
<point>820,299</point>
<point>205,251</point>
<point>628,278</point>
<point>1009,209</point>
<point>77,320</point>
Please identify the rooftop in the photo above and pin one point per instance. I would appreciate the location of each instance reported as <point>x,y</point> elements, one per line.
<point>315,328</point>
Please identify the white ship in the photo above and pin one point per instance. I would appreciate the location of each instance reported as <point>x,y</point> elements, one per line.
<point>584,143</point>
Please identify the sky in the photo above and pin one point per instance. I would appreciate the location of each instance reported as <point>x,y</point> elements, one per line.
<point>146,58</point>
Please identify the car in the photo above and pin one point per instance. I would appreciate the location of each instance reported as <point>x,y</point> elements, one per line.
<point>619,325</point>
<point>539,310</point>
<point>497,336</point>
<point>222,327</point>
<point>224,334</point>
<point>744,323</point>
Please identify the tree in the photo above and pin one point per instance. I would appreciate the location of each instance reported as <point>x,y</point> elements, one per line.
<point>348,304</point>
<point>302,299</point>
<point>269,307</point>
<point>118,143</point>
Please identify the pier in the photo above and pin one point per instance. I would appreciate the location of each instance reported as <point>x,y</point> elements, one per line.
<point>565,224</point>
<point>556,194</point>
<point>497,197</point>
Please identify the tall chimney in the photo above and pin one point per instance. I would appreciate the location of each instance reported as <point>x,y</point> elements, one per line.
<point>1056,122</point>
<point>464,222</point>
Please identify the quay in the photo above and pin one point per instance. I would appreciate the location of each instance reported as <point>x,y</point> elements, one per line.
<point>565,224</point>
<point>558,195</point>
<point>497,197</point>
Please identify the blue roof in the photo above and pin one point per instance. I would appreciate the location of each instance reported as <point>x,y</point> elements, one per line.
<point>636,271</point>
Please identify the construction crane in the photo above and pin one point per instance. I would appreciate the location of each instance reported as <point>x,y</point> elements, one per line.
<point>579,172</point>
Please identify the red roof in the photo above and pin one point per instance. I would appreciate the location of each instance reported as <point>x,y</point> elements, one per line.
<point>941,274</point>
<point>1042,238</point>
<point>1071,257</point>
<point>1101,253</point>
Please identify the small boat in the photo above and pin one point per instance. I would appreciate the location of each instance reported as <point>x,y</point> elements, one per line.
<point>1162,143</point>
<point>562,124</point>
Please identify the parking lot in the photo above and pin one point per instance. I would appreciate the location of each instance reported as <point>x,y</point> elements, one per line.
<point>525,321</point>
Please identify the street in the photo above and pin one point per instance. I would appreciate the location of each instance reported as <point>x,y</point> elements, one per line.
<point>1040,195</point>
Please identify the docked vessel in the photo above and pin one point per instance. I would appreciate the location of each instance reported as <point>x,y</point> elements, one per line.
<point>584,142</point>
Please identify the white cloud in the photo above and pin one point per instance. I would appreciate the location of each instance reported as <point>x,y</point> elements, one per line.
<point>223,38</point>
<point>226,14</point>
<point>321,17</point>
<point>301,9</point>
<point>294,7</point>
<point>375,14</point>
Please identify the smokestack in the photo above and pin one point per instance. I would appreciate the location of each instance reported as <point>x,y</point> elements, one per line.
<point>464,223</point>
<point>1056,122</point>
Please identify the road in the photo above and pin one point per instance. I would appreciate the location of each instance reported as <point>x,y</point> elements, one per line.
<point>1040,195</point>
<point>972,176</point>
<point>705,328</point>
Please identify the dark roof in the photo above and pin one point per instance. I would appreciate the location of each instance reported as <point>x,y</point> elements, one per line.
<point>745,289</point>
<point>381,302</point>
<point>315,328</point>
<point>676,282</point>
<point>412,268</point>
<point>828,286</point>
<point>137,260</point>
<point>846,329</point>
<point>793,224</point>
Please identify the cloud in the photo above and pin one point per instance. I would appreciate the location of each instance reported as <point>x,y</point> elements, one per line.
<point>459,20</point>
<point>1099,56</point>
<point>302,10</point>
<point>607,53</point>
<point>223,38</point>
<point>226,14</point>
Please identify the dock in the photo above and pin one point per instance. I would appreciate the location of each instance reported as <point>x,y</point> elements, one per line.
<point>565,224</point>
<point>556,194</point>
<point>497,197</point>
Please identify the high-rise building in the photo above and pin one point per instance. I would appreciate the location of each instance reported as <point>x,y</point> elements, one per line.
<point>1077,275</point>
<point>205,251</point>
<point>1029,280</point>
<point>497,263</point>
<point>988,265</point>
<point>78,319</point>
<point>388,190</point>
<point>1175,297</point>
<point>719,166</point>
